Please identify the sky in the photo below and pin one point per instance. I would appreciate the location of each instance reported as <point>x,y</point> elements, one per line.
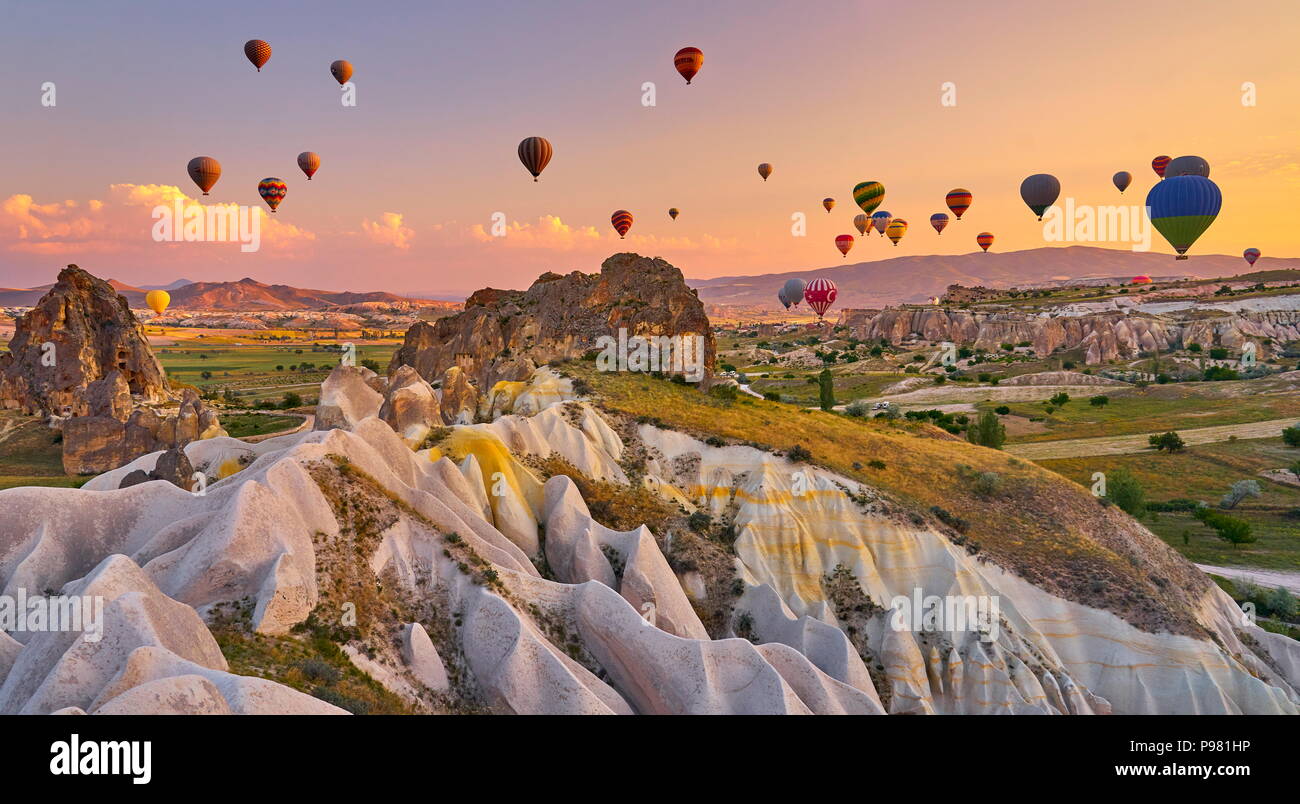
<point>830,93</point>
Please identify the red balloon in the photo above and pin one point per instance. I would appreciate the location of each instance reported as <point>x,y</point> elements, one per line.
<point>844,243</point>
<point>820,295</point>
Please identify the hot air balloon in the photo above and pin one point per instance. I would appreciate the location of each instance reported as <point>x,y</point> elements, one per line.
<point>820,295</point>
<point>844,243</point>
<point>1122,180</point>
<point>157,300</point>
<point>272,191</point>
<point>673,212</point>
<point>1159,164</point>
<point>958,201</point>
<point>1182,208</point>
<point>896,229</point>
<point>1187,166</point>
<point>869,195</point>
<point>829,203</point>
<point>622,220</point>
<point>794,289</point>
<point>309,163</point>
<point>1251,254</point>
<point>862,222</point>
<point>780,294</point>
<point>205,171</point>
<point>880,220</point>
<point>765,170</point>
<point>939,220</point>
<point>984,239</point>
<point>1142,280</point>
<point>688,62</point>
<point>258,52</point>
<point>535,153</point>
<point>1039,192</point>
<point>342,71</point>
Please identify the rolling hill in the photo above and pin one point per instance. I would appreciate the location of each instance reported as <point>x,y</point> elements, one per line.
<point>916,278</point>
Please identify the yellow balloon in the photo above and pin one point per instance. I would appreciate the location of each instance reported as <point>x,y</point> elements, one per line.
<point>157,300</point>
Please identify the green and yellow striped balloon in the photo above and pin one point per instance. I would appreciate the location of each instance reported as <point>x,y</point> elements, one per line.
<point>869,195</point>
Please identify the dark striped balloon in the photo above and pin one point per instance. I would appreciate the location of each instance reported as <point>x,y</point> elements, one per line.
<point>688,62</point>
<point>622,220</point>
<point>258,52</point>
<point>939,220</point>
<point>1250,254</point>
<point>869,195</point>
<point>881,220</point>
<point>1122,180</point>
<point>984,239</point>
<point>272,191</point>
<point>958,201</point>
<point>1159,164</point>
<point>535,153</point>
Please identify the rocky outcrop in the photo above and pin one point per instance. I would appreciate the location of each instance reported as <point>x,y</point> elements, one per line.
<point>411,406</point>
<point>66,348</point>
<point>507,334</point>
<point>1104,336</point>
<point>98,443</point>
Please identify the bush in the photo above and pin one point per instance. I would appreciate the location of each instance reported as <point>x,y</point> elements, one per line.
<point>987,483</point>
<point>1060,399</point>
<point>699,522</point>
<point>1002,410</point>
<point>1291,436</point>
<point>1218,353</point>
<point>1194,347</point>
<point>1124,490</point>
<point>726,393</point>
<point>1239,491</point>
<point>291,400</point>
<point>1167,442</point>
<point>1230,529</point>
<point>1217,373</point>
<point>799,454</point>
<point>1101,400</point>
<point>858,408</point>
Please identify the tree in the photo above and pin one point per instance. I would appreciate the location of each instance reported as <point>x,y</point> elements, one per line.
<point>1123,489</point>
<point>1167,442</point>
<point>1060,399</point>
<point>1230,529</point>
<point>1101,400</point>
<point>1282,604</point>
<point>1002,410</point>
<point>1239,491</point>
<point>1291,435</point>
<point>987,431</point>
<point>826,386</point>
<point>291,400</point>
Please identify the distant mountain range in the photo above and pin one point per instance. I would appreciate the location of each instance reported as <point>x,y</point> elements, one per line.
<point>246,295</point>
<point>915,279</point>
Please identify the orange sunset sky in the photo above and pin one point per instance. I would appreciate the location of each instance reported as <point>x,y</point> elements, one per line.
<point>830,93</point>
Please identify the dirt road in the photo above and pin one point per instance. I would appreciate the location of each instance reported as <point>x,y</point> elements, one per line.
<point>1121,445</point>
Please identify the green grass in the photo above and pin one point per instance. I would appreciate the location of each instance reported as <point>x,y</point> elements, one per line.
<point>241,425</point>
<point>1204,473</point>
<point>28,448</point>
<point>250,370</point>
<point>1184,406</point>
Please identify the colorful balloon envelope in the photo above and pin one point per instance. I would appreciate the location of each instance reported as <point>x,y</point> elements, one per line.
<point>688,62</point>
<point>535,153</point>
<point>1159,164</point>
<point>984,240</point>
<point>342,71</point>
<point>204,171</point>
<point>1142,280</point>
<point>1182,208</point>
<point>1122,180</point>
<point>309,163</point>
<point>794,289</point>
<point>673,212</point>
<point>258,52</point>
<point>896,229</point>
<point>1250,255</point>
<point>622,220</point>
<point>1039,192</point>
<point>765,170</point>
<point>939,220</point>
<point>272,191</point>
<point>869,195</point>
<point>881,220</point>
<point>862,222</point>
<point>1187,166</point>
<point>820,295</point>
<point>958,201</point>
<point>157,300</point>
<point>829,203</point>
<point>844,243</point>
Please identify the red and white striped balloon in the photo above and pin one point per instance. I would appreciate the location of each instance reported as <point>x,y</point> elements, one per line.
<point>820,295</point>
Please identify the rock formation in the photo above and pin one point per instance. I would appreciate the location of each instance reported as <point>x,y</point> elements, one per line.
<point>76,336</point>
<point>103,441</point>
<point>504,335</point>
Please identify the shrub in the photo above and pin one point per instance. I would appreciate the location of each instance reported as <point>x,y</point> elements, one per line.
<point>1167,442</point>
<point>1291,436</point>
<point>1239,491</point>
<point>988,431</point>
<point>1218,353</point>
<point>1123,489</point>
<point>1230,529</point>
<point>858,408</point>
<point>987,483</point>
<point>799,454</point>
<point>1060,399</point>
<point>291,400</point>
<point>1002,410</point>
<point>1101,400</point>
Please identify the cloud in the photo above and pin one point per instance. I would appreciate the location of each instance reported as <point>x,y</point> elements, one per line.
<point>121,223</point>
<point>389,231</point>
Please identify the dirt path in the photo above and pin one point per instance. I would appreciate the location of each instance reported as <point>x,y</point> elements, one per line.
<point>1122,445</point>
<point>1261,577</point>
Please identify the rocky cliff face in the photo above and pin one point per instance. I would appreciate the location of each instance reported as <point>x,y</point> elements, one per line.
<point>1103,336</point>
<point>92,335</point>
<point>504,335</point>
<point>98,443</point>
